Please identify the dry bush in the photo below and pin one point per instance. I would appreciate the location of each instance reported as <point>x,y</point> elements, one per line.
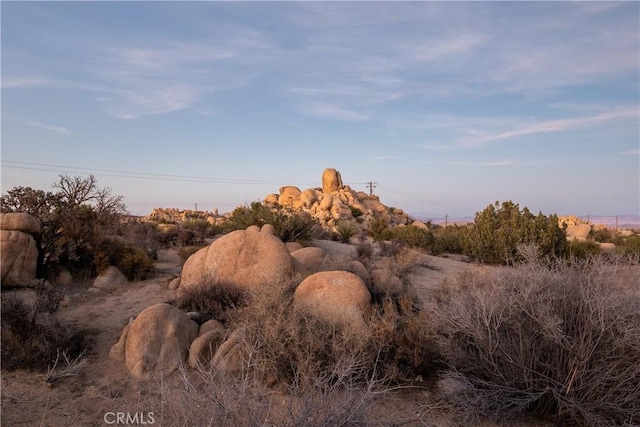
<point>561,340</point>
<point>401,262</point>
<point>212,301</point>
<point>288,348</point>
<point>207,398</point>
<point>32,336</point>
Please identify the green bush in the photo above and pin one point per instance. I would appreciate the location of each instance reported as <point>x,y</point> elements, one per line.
<point>290,226</point>
<point>629,245</point>
<point>345,231</point>
<point>412,236</point>
<point>74,221</point>
<point>355,212</point>
<point>186,251</point>
<point>132,261</point>
<point>499,229</point>
<point>450,239</point>
<point>582,249</point>
<point>377,228</point>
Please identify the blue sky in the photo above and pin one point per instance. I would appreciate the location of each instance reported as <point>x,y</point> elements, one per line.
<point>448,107</point>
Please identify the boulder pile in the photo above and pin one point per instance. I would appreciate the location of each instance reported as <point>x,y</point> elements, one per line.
<point>335,202</point>
<point>332,287</point>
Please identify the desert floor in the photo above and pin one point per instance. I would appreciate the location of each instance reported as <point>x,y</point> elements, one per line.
<point>105,387</point>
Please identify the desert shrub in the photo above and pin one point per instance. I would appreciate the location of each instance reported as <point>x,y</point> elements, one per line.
<point>390,248</point>
<point>560,340</point>
<point>290,226</point>
<point>364,251</point>
<point>499,229</point>
<point>288,348</point>
<point>412,236</point>
<point>212,302</point>
<point>450,239</point>
<point>186,251</point>
<point>132,261</point>
<point>377,226</point>
<point>404,340</point>
<point>199,226</point>
<point>583,249</point>
<point>345,231</point>
<point>74,220</point>
<point>629,246</point>
<point>355,212</point>
<point>32,336</point>
<point>602,235</point>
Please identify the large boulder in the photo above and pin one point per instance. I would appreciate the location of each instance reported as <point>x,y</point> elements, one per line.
<point>204,347</point>
<point>288,195</point>
<point>110,278</point>
<point>20,221</point>
<point>18,248</point>
<point>246,260</point>
<point>156,341</point>
<point>18,258</point>
<point>309,258</point>
<point>331,180</point>
<point>337,297</point>
<point>578,232</point>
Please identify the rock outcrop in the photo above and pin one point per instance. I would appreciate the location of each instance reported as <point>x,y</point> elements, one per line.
<point>244,259</point>
<point>18,248</point>
<point>335,202</point>
<point>337,297</point>
<point>156,341</point>
<point>110,278</point>
<point>331,180</point>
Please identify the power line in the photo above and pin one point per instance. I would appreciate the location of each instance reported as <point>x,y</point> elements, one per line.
<point>45,167</point>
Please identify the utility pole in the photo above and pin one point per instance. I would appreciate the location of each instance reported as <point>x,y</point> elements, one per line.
<point>446,220</point>
<point>371,186</point>
<point>196,207</point>
<point>616,223</point>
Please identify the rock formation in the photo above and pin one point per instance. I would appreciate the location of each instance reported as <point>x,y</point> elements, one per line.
<point>18,248</point>
<point>245,259</point>
<point>338,297</point>
<point>335,202</point>
<point>156,341</point>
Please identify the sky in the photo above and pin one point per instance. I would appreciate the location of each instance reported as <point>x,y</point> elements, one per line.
<point>446,106</point>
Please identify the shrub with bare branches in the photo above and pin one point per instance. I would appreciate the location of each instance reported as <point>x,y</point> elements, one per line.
<point>560,340</point>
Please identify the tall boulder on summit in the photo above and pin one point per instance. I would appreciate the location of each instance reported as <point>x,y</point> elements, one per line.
<point>18,248</point>
<point>246,260</point>
<point>331,180</point>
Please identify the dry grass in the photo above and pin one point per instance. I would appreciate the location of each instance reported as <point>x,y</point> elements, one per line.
<point>560,339</point>
<point>73,367</point>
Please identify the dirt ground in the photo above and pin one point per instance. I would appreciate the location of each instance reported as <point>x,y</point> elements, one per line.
<point>104,388</point>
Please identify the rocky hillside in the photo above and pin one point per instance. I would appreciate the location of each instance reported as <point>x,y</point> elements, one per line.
<point>335,202</point>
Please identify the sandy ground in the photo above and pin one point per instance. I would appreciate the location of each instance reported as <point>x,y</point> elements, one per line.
<point>105,387</point>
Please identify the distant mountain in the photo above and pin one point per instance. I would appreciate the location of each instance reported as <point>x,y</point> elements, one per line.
<point>440,220</point>
<point>623,221</point>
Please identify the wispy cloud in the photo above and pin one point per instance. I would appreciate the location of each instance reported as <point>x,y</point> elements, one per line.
<point>550,126</point>
<point>499,163</point>
<point>333,112</point>
<point>15,82</point>
<point>36,124</point>
<point>630,153</point>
